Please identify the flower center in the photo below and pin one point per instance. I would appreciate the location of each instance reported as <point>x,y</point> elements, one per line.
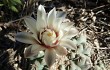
<point>48,37</point>
<point>50,34</point>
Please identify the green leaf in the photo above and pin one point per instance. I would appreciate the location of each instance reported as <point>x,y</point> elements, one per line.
<point>18,1</point>
<point>74,66</point>
<point>108,1</point>
<point>82,39</point>
<point>1,4</point>
<point>13,8</point>
<point>39,65</point>
<point>62,67</point>
<point>11,2</point>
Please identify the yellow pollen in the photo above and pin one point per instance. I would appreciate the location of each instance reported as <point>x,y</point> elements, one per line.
<point>49,34</point>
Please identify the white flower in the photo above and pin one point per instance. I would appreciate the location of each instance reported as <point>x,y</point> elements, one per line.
<point>49,34</point>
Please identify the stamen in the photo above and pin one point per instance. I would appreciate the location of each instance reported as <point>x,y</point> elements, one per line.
<point>49,34</point>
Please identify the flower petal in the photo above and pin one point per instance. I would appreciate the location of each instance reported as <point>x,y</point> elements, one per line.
<point>71,32</point>
<point>25,38</point>
<point>60,35</point>
<point>61,50</point>
<point>59,19</point>
<point>66,25</point>
<point>57,24</point>
<point>41,18</point>
<point>51,17</point>
<point>68,44</point>
<point>61,14</point>
<point>33,50</point>
<point>36,37</point>
<point>31,23</point>
<point>41,13</point>
<point>50,56</point>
